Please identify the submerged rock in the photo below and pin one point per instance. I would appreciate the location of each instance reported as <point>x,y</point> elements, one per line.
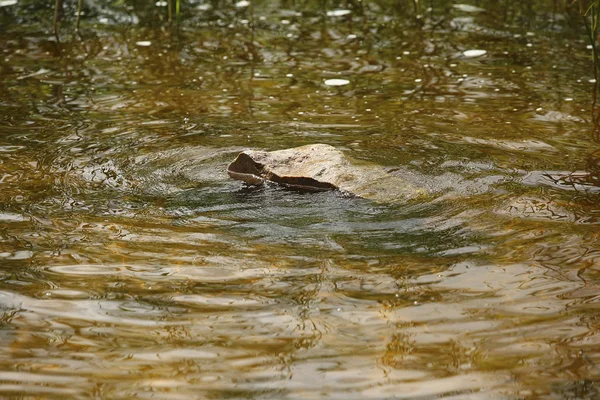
<point>322,167</point>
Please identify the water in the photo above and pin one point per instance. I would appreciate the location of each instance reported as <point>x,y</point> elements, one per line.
<point>132,266</point>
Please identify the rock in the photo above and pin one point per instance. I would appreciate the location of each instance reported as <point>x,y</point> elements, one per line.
<point>322,167</point>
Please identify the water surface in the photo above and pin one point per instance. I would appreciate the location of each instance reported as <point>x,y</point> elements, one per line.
<point>131,266</point>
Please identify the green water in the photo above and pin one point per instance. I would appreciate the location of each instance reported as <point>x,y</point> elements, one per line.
<point>132,266</point>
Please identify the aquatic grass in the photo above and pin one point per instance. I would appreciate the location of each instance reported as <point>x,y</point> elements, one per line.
<point>79,5</point>
<point>57,8</point>
<point>591,16</point>
<point>57,5</point>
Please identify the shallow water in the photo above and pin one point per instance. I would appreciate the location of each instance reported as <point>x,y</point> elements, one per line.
<point>132,266</point>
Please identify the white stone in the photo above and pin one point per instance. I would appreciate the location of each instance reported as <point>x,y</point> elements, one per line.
<point>474,53</point>
<point>338,13</point>
<point>336,82</point>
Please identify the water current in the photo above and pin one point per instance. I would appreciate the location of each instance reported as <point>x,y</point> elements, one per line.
<point>132,266</point>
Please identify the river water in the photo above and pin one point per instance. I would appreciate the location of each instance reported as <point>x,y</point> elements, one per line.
<point>132,266</point>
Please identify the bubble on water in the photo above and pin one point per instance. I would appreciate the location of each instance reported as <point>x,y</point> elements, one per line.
<point>204,7</point>
<point>418,80</point>
<point>351,36</point>
<point>242,4</point>
<point>336,82</point>
<point>143,43</point>
<point>568,99</point>
<point>474,53</point>
<point>161,3</point>
<point>589,47</point>
<point>338,13</point>
<point>289,75</point>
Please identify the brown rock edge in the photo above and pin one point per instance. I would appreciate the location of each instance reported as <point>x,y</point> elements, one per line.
<point>321,167</point>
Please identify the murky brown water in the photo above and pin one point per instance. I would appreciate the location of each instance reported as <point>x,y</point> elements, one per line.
<point>131,266</point>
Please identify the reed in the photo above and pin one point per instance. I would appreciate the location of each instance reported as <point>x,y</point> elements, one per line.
<point>591,16</point>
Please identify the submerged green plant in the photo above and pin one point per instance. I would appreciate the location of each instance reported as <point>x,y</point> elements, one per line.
<point>57,5</point>
<point>591,16</point>
<point>79,4</point>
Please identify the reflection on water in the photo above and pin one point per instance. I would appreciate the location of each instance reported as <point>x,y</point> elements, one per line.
<point>132,266</point>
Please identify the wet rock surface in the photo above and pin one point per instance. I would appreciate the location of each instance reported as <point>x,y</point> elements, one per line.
<point>323,167</point>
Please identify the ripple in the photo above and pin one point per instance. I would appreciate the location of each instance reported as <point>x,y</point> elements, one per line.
<point>37,389</point>
<point>535,208</point>
<point>12,217</point>
<point>204,301</point>
<point>78,311</point>
<point>459,384</point>
<point>176,355</point>
<point>88,269</point>
<point>10,149</point>
<point>68,294</point>
<point>17,255</point>
<point>37,378</point>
